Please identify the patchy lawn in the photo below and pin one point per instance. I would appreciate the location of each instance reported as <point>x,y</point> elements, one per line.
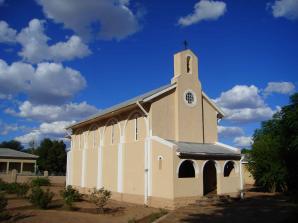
<point>256,207</point>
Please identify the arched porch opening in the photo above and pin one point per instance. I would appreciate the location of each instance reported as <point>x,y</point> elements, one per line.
<point>209,178</point>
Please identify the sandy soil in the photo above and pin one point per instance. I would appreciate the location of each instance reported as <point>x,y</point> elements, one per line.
<point>256,207</point>
<point>22,211</point>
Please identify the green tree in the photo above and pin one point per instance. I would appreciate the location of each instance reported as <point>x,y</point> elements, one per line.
<point>52,156</point>
<point>274,154</point>
<point>12,144</point>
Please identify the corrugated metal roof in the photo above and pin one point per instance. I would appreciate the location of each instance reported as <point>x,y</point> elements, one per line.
<point>124,104</point>
<point>204,149</point>
<point>6,152</point>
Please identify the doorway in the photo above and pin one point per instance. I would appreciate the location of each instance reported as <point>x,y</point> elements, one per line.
<point>209,178</point>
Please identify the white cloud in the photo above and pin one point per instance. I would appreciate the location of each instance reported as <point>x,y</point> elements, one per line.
<point>279,87</point>
<point>243,141</point>
<point>48,83</point>
<point>229,131</point>
<point>53,130</point>
<point>35,46</point>
<point>7,128</point>
<point>105,18</point>
<point>7,34</point>
<point>244,104</point>
<point>204,10</point>
<point>249,114</point>
<point>240,96</point>
<point>285,8</point>
<point>49,113</point>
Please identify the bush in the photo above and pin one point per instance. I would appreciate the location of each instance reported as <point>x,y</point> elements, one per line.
<point>3,185</point>
<point>100,198</point>
<point>41,198</point>
<point>11,188</point>
<point>22,189</point>
<point>70,195</point>
<point>40,181</point>
<point>3,204</point>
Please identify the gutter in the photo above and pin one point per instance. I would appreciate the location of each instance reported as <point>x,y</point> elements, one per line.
<point>208,154</point>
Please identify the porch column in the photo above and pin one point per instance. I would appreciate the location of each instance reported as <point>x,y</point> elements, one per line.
<point>35,167</point>
<point>7,167</point>
<point>21,170</point>
<point>99,166</point>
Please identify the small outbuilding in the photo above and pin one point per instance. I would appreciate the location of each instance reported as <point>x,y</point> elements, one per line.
<point>22,162</point>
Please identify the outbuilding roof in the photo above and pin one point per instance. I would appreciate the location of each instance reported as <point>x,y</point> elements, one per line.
<point>11,153</point>
<point>141,98</point>
<point>206,149</point>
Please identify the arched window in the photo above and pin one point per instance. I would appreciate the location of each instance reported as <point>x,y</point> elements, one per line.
<point>186,169</point>
<point>188,64</point>
<point>228,168</point>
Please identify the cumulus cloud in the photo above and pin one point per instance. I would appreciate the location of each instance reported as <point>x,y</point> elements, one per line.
<point>48,83</point>
<point>285,8</point>
<point>50,113</point>
<point>204,10</point>
<point>229,131</point>
<point>35,46</point>
<point>6,128</point>
<point>104,18</point>
<point>244,104</point>
<point>243,141</point>
<point>279,87</point>
<point>53,130</point>
<point>7,34</point>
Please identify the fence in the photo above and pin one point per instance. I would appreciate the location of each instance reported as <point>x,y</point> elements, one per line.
<point>13,176</point>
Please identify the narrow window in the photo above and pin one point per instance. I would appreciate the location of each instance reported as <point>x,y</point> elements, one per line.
<point>186,169</point>
<point>188,68</point>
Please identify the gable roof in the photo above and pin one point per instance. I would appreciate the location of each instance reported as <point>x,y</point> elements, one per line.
<point>206,149</point>
<point>141,98</point>
<point>11,153</point>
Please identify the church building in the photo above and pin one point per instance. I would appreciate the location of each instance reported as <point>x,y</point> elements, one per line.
<point>160,149</point>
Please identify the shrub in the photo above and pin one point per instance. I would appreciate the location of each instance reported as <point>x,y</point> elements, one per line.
<point>11,188</point>
<point>100,198</point>
<point>22,189</point>
<point>70,195</point>
<point>3,204</point>
<point>3,185</point>
<point>41,198</point>
<point>40,181</point>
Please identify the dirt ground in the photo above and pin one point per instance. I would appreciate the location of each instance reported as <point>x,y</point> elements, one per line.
<point>22,211</point>
<point>256,207</point>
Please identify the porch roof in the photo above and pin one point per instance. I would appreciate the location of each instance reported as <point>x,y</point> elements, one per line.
<point>10,153</point>
<point>206,149</point>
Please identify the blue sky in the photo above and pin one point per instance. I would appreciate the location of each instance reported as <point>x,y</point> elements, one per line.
<point>62,61</point>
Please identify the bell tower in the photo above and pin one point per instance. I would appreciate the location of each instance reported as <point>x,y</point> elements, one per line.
<point>188,98</point>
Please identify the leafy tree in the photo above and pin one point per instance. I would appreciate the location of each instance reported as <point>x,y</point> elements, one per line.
<point>245,151</point>
<point>274,154</point>
<point>52,156</point>
<point>12,144</point>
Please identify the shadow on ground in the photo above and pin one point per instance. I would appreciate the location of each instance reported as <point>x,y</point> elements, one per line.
<point>257,208</point>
